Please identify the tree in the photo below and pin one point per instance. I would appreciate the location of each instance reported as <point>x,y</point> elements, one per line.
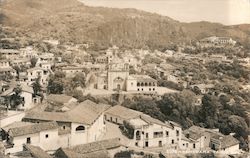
<point>78,80</point>
<point>37,86</point>
<point>33,62</point>
<point>16,99</point>
<point>56,83</point>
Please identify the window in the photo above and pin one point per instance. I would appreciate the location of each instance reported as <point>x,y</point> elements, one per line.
<point>172,141</point>
<point>158,134</point>
<point>80,128</point>
<point>149,89</point>
<point>167,134</point>
<point>153,89</point>
<point>183,144</point>
<point>46,136</point>
<point>146,135</point>
<point>132,83</point>
<point>28,140</point>
<point>64,127</point>
<point>146,144</point>
<point>142,89</point>
<point>177,133</point>
<point>194,146</point>
<point>138,89</point>
<point>136,144</point>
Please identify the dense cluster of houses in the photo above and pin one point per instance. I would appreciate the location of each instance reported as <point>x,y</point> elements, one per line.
<point>70,128</point>
<point>57,124</point>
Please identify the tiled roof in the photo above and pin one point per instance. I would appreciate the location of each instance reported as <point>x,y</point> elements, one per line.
<point>31,129</point>
<point>142,78</point>
<point>90,150</point>
<point>123,112</point>
<point>24,87</point>
<point>86,112</point>
<point>59,98</point>
<point>16,125</point>
<point>196,132</point>
<point>67,153</point>
<point>226,141</point>
<point>36,151</point>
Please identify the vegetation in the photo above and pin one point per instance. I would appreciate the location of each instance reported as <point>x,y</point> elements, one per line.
<point>127,130</point>
<point>213,113</point>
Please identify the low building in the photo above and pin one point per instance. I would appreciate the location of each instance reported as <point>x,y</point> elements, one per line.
<point>44,135</point>
<point>217,41</point>
<point>105,149</point>
<point>70,71</point>
<point>227,144</point>
<point>10,53</point>
<point>80,125</point>
<point>209,139</point>
<point>37,72</point>
<point>6,69</point>
<point>148,131</point>
<point>26,95</point>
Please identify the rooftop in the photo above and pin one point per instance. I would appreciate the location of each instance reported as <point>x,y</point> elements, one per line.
<point>86,112</point>
<point>90,150</point>
<point>226,141</point>
<point>36,151</point>
<point>32,129</point>
<point>59,98</point>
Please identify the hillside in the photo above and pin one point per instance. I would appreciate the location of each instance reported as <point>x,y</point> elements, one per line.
<point>70,20</point>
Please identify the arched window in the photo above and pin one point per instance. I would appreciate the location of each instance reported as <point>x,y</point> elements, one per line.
<point>146,84</point>
<point>80,128</point>
<point>150,83</point>
<point>142,84</point>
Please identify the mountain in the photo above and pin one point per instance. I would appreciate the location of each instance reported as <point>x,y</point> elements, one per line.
<point>71,20</point>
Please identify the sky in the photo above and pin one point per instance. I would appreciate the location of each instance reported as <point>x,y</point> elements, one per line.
<point>228,12</point>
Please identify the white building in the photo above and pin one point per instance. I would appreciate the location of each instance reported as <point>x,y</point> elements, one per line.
<point>82,124</point>
<point>148,131</point>
<point>26,94</point>
<point>44,135</point>
<point>37,72</point>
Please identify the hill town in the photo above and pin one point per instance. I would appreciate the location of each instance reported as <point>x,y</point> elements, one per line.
<point>74,96</point>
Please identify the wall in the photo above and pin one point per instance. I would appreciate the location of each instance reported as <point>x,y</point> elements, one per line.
<point>165,139</point>
<point>50,143</point>
<point>14,116</point>
<point>131,85</point>
<point>97,129</point>
<point>78,137</point>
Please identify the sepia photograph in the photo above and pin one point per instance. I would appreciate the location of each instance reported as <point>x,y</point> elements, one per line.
<point>124,78</point>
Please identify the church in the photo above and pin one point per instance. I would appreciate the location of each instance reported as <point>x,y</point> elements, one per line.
<point>117,78</point>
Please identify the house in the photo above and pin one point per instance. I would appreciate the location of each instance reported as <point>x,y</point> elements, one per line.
<point>45,58</point>
<point>26,95</point>
<point>28,52</point>
<point>141,83</point>
<point>70,71</point>
<point>6,69</point>
<point>148,131</point>
<point>227,144</point>
<point>217,41</point>
<point>61,102</point>
<point>209,139</point>
<point>21,62</point>
<point>44,135</point>
<point>105,149</point>
<point>35,151</point>
<point>10,53</point>
<point>36,72</point>
<point>203,88</point>
<point>80,125</point>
